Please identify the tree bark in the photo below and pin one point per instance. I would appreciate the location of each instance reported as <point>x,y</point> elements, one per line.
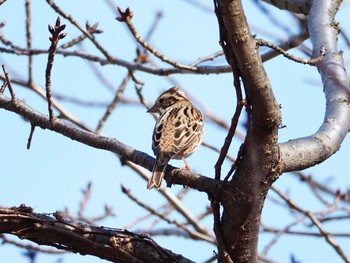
<point>308,151</point>
<point>125,152</point>
<point>243,197</point>
<point>116,245</point>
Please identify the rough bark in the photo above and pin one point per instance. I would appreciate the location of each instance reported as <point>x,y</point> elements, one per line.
<point>116,245</point>
<point>243,197</point>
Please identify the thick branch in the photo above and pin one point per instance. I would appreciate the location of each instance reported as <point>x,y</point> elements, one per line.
<point>305,152</point>
<point>125,152</point>
<point>245,194</point>
<point>115,245</point>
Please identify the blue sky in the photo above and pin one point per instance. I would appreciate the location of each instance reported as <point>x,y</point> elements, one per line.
<point>50,175</point>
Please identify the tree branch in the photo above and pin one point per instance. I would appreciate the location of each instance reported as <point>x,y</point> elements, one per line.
<point>326,141</point>
<point>245,193</point>
<point>125,152</point>
<point>115,245</point>
<point>116,61</point>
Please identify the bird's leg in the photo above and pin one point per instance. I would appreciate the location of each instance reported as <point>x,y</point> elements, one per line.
<point>187,166</point>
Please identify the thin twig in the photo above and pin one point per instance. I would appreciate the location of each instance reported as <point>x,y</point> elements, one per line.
<point>333,218</point>
<point>312,61</point>
<point>167,208</point>
<point>29,41</point>
<point>206,69</point>
<point>328,237</point>
<point>237,161</point>
<point>142,100</point>
<point>125,16</point>
<point>56,35</point>
<point>91,220</point>
<point>3,87</point>
<point>32,129</point>
<point>228,139</point>
<point>195,235</point>
<point>83,103</point>
<point>207,58</point>
<point>8,81</point>
<point>280,233</point>
<point>235,118</point>
<point>292,42</point>
<point>75,41</point>
<point>99,75</point>
<point>6,240</point>
<point>114,103</point>
<point>316,222</point>
<point>208,211</point>
<point>134,79</point>
<point>140,58</point>
<point>87,34</point>
<point>323,187</point>
<point>173,200</point>
<point>84,201</point>
<point>64,114</point>
<point>212,147</point>
<point>302,233</point>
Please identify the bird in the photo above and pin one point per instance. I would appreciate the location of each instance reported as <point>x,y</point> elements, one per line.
<point>177,133</point>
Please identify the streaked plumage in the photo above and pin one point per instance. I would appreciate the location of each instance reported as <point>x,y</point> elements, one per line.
<point>177,133</point>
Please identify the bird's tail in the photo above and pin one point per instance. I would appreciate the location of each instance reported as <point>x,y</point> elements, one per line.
<point>157,174</point>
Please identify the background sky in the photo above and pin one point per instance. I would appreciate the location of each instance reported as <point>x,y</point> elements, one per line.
<point>50,175</point>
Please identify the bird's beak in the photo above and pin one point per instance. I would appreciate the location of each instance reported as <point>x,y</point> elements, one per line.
<point>153,109</point>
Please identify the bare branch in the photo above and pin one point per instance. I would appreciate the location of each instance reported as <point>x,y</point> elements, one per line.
<point>64,114</point>
<point>316,222</point>
<point>312,61</point>
<point>193,234</point>
<point>8,83</point>
<point>115,245</point>
<point>29,40</point>
<point>230,134</point>
<point>292,42</point>
<point>125,16</point>
<point>327,140</point>
<point>174,201</point>
<point>86,197</point>
<point>207,58</point>
<point>280,233</point>
<point>113,104</point>
<point>125,152</point>
<point>32,129</point>
<point>6,240</point>
<point>302,233</point>
<point>87,34</point>
<point>116,61</point>
<point>56,35</point>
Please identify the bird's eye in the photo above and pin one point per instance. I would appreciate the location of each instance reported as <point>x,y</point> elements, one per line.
<point>161,101</point>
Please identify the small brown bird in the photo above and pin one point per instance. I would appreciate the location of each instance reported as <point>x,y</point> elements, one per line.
<point>177,133</point>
